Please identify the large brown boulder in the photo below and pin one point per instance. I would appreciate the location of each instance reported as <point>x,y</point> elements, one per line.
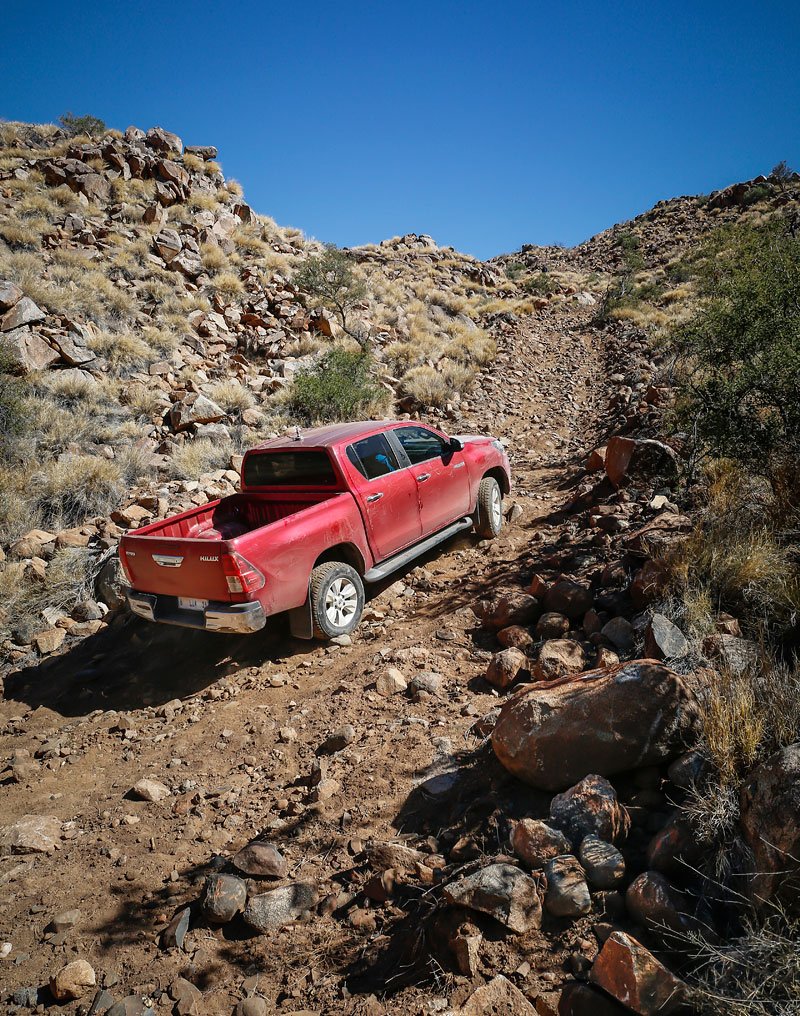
<point>629,460</point>
<point>604,721</point>
<point>770,823</point>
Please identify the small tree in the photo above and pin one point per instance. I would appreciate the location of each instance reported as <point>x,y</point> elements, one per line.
<point>741,350</point>
<point>330,281</point>
<point>338,386</point>
<point>91,126</point>
<point>781,175</point>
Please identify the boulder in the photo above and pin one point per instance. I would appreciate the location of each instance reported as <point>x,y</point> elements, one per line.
<point>73,350</point>
<point>664,640</point>
<point>504,892</point>
<point>603,863</point>
<point>29,350</point>
<point>508,607</point>
<point>629,460</point>
<point>505,667</point>
<point>590,808</point>
<point>164,141</point>
<point>558,658</point>
<point>168,244</point>
<point>535,843</point>
<point>604,721</point>
<point>94,186</point>
<point>631,974</point>
<point>568,597</point>
<point>260,859</point>
<point>194,409</point>
<point>567,892</point>
<point>770,824</point>
<point>23,312</point>
<point>280,906</point>
<point>205,152</point>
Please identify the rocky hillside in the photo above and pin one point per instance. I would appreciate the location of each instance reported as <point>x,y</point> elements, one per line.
<point>540,778</point>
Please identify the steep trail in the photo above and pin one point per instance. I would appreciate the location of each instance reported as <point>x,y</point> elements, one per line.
<point>234,726</point>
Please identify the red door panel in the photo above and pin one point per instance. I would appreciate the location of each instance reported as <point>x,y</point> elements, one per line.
<point>440,474</point>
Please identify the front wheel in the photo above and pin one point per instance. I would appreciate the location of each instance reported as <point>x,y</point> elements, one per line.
<point>489,513</point>
<point>337,599</point>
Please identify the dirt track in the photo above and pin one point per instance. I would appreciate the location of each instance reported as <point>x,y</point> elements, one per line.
<point>238,748</point>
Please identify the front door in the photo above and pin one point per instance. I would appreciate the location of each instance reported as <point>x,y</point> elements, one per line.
<point>440,475</point>
<point>388,496</point>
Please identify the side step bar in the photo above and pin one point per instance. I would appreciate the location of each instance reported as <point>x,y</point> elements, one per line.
<point>391,564</point>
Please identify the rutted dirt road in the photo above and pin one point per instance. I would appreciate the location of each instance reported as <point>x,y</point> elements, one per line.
<point>234,728</point>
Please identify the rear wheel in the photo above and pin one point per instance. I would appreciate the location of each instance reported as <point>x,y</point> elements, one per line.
<point>489,514</point>
<point>337,599</point>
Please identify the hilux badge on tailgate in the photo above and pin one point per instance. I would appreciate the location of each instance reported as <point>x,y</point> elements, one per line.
<point>209,558</point>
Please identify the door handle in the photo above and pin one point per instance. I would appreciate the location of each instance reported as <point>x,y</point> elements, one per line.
<point>424,476</point>
<point>374,497</point>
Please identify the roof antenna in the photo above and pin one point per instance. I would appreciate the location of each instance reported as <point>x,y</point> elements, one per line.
<point>297,435</point>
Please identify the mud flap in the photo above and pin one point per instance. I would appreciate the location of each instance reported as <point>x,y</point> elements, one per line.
<point>301,624</point>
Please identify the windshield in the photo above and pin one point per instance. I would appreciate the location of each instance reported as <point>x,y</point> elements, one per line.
<point>289,469</point>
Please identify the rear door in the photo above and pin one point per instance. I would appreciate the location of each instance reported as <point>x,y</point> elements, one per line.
<point>387,494</point>
<point>440,475</point>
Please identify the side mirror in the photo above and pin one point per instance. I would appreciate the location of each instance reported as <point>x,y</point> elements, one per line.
<point>455,445</point>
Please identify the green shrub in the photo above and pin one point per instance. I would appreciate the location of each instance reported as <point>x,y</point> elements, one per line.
<point>91,126</point>
<point>539,285</point>
<point>741,352</point>
<point>758,192</point>
<point>11,392</point>
<point>338,386</point>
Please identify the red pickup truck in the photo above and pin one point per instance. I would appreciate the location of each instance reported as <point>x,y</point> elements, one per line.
<point>317,517</point>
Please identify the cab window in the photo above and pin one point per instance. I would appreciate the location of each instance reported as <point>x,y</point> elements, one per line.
<point>420,444</point>
<point>373,457</point>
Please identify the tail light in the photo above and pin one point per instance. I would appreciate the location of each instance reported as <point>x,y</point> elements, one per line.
<point>240,574</point>
<point>125,566</point>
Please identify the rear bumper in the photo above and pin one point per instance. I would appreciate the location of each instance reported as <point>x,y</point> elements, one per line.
<point>235,618</point>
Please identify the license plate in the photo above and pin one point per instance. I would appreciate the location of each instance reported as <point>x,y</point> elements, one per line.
<point>190,603</point>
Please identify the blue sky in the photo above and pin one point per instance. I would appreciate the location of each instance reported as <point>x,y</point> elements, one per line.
<point>488,125</point>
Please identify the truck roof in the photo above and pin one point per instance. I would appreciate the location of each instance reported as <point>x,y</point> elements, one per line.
<point>333,434</point>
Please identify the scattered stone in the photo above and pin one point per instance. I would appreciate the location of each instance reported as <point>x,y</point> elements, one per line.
<point>567,892</point>
<point>151,790</point>
<point>504,892</point>
<point>31,834</point>
<point>225,897</point>
<point>590,808</point>
<point>72,981</point>
<point>632,975</point>
<point>338,740</point>
<point>277,907</point>
<point>515,637</point>
<point>131,1005</point>
<point>603,721</point>
<point>505,667</point>
<point>49,640</point>
<point>568,597</point>
<point>174,934</point>
<point>426,684</point>
<point>558,658</point>
<point>603,863</point>
<point>552,625</point>
<point>260,860</point>
<point>253,1005</point>
<point>535,843</point>
<point>506,608</point>
<point>390,682</point>
<point>64,921</point>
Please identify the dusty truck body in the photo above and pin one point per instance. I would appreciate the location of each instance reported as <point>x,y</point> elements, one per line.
<point>316,518</point>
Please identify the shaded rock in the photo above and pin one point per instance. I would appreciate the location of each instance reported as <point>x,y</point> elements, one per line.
<point>590,808</point>
<point>535,843</point>
<point>260,859</point>
<point>655,904</point>
<point>603,721</point>
<point>737,655</point>
<point>687,769</point>
<point>568,597</point>
<point>508,607</point>
<point>631,974</point>
<point>505,667</point>
<point>567,892</point>
<point>504,892</point>
<point>619,632</point>
<point>664,640</point>
<point>280,906</point>
<point>583,1000</point>
<point>558,658</point>
<point>131,1005</point>
<point>225,896</point>
<point>603,863</point>
<point>655,538</point>
<point>629,460</point>
<point>675,847</point>
<point>552,625</point>
<point>72,981</point>
<point>770,824</point>
<point>515,637</point>
<point>111,585</point>
<point>648,584</point>
<point>31,834</point>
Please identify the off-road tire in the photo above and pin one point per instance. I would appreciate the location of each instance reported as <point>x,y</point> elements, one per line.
<point>489,509</point>
<point>335,583</point>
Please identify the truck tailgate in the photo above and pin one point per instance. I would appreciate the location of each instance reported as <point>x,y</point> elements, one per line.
<point>177,567</point>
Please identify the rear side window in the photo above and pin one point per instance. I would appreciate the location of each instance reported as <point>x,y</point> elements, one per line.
<point>420,444</point>
<point>373,456</point>
<point>289,469</point>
